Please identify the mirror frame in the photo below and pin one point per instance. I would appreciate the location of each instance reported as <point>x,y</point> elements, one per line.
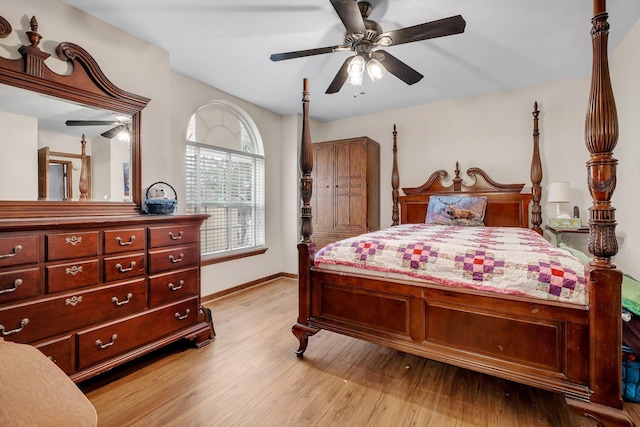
<point>85,84</point>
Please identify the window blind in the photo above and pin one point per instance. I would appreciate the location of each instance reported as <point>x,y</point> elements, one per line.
<point>229,186</point>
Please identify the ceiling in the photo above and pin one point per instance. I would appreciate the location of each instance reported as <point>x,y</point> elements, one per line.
<point>227,43</point>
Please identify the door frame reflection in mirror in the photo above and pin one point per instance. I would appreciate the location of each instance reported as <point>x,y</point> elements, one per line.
<point>86,84</point>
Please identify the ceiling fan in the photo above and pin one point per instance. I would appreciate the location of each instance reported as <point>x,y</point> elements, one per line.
<point>364,35</point>
<point>119,126</point>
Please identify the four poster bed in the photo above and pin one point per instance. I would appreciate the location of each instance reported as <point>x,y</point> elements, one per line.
<point>571,319</point>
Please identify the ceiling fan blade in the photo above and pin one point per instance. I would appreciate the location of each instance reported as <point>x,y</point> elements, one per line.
<point>91,123</point>
<point>399,68</point>
<point>303,53</point>
<point>428,30</point>
<point>340,78</point>
<point>350,15</point>
<point>113,132</point>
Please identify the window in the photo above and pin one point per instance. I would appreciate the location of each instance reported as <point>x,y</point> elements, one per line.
<point>225,178</point>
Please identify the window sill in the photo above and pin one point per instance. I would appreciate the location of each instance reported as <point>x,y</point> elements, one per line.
<point>215,259</point>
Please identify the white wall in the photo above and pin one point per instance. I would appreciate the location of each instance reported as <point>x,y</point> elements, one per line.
<point>22,133</point>
<point>626,86</point>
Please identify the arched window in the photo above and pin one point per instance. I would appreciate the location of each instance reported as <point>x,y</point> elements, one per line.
<point>225,177</point>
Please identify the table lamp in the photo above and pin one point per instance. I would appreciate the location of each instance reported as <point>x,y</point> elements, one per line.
<point>559,193</point>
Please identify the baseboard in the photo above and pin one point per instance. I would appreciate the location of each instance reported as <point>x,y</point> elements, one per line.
<point>244,286</point>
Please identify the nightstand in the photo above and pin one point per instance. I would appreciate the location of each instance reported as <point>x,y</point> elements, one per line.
<point>559,231</point>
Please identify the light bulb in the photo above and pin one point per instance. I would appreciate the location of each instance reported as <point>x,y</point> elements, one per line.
<point>375,70</point>
<point>356,66</point>
<point>355,79</point>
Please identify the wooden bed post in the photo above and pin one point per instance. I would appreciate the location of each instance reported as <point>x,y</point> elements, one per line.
<point>605,323</point>
<point>395,181</point>
<point>536,174</point>
<point>305,247</point>
<point>306,167</point>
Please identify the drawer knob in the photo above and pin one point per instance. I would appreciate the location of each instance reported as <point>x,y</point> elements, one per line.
<point>123,243</point>
<point>124,270</point>
<point>174,259</point>
<point>176,288</point>
<point>16,283</point>
<point>23,323</point>
<point>109,344</point>
<point>13,252</point>
<point>178,237</point>
<point>73,240</point>
<point>186,314</point>
<point>116,302</point>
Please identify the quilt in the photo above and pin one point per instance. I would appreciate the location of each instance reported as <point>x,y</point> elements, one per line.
<point>506,260</point>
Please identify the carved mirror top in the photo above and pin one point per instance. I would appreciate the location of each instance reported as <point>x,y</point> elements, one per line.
<point>86,84</point>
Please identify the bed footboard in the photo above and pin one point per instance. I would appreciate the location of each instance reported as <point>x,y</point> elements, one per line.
<point>543,344</point>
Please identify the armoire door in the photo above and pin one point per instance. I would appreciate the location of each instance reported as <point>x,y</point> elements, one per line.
<point>323,187</point>
<point>350,187</point>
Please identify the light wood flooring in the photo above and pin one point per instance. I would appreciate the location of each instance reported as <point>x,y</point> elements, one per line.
<point>249,376</point>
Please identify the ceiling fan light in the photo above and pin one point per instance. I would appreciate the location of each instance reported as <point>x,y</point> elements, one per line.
<point>375,70</point>
<point>355,79</point>
<point>356,66</point>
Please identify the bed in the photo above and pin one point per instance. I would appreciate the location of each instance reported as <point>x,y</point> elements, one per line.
<point>571,347</point>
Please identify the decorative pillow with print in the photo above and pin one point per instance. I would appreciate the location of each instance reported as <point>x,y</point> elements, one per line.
<point>456,210</point>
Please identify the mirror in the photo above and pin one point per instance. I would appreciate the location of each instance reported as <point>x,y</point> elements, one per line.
<point>37,124</point>
<point>71,143</point>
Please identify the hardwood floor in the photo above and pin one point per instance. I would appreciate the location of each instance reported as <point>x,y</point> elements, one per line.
<point>250,376</point>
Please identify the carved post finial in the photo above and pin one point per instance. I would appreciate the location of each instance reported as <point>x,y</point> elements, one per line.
<point>457,181</point>
<point>33,57</point>
<point>306,167</point>
<point>34,37</point>
<point>536,174</point>
<point>395,181</point>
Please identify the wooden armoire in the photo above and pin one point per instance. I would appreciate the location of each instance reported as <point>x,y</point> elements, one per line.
<point>346,197</point>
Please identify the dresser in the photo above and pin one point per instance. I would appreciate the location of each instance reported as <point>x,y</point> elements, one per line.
<point>346,189</point>
<point>94,292</point>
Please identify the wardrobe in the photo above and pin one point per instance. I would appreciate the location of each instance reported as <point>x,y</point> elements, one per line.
<point>346,197</point>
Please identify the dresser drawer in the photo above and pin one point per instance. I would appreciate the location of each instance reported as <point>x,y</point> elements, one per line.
<point>173,235</point>
<point>53,316</point>
<point>173,286</point>
<point>129,240</point>
<point>72,275</point>
<point>106,341</point>
<point>18,250</point>
<point>123,267</point>
<point>60,351</point>
<point>172,258</point>
<point>71,245</point>
<point>19,284</point>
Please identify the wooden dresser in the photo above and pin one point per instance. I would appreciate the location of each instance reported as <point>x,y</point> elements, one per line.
<point>346,193</point>
<point>94,292</point>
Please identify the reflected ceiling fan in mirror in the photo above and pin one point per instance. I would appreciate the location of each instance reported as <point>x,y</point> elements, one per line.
<point>121,125</point>
<point>364,35</point>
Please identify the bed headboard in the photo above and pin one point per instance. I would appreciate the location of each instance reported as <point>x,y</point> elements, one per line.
<point>507,205</point>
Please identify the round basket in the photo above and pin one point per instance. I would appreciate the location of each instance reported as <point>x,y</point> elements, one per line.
<point>161,206</point>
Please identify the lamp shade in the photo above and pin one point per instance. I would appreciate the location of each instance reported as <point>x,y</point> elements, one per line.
<point>355,70</point>
<point>375,70</point>
<point>559,192</point>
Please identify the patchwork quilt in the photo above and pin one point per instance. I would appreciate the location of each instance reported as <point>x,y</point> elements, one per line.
<point>506,260</point>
